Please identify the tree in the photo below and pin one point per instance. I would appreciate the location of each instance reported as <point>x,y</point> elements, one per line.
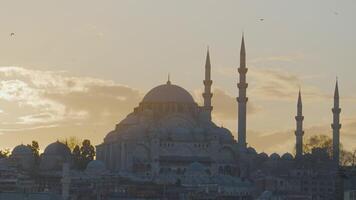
<point>324,141</point>
<point>353,163</point>
<point>87,152</point>
<point>318,141</point>
<point>346,158</point>
<point>4,153</point>
<point>71,142</point>
<point>76,157</point>
<point>35,148</point>
<point>83,154</point>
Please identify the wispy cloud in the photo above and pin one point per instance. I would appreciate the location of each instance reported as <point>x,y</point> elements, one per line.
<point>278,58</point>
<point>34,100</point>
<point>281,85</point>
<point>225,104</point>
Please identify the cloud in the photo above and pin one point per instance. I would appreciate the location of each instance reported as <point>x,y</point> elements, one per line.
<point>279,58</point>
<point>99,102</point>
<point>277,84</point>
<point>33,101</point>
<point>51,105</point>
<point>225,105</point>
<point>284,140</point>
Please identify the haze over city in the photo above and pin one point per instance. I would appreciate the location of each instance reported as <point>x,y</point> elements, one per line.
<point>77,68</point>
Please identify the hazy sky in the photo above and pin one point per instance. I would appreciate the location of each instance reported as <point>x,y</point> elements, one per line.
<point>78,67</point>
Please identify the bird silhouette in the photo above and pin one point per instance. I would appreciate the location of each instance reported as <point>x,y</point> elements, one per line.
<point>12,34</point>
<point>262,19</point>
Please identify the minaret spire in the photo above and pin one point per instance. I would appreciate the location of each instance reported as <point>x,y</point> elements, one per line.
<point>169,79</point>
<point>207,95</point>
<point>336,126</point>
<point>242,99</point>
<point>299,127</point>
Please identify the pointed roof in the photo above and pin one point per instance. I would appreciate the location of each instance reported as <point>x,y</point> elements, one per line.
<point>207,61</point>
<point>169,79</point>
<point>336,93</point>
<point>242,50</point>
<point>299,98</point>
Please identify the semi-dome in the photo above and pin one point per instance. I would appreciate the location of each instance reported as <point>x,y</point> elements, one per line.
<point>168,93</point>
<point>95,167</point>
<point>251,150</point>
<point>21,150</point>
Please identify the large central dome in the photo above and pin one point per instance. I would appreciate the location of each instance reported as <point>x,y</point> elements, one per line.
<point>168,93</point>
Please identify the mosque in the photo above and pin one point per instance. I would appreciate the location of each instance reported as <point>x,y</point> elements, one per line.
<point>169,135</point>
<point>170,139</point>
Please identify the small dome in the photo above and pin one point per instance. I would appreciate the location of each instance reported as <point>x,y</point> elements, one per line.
<point>263,155</point>
<point>287,156</point>
<point>23,157</point>
<point>54,156</point>
<point>95,166</point>
<point>21,150</point>
<point>57,148</point>
<point>275,156</point>
<point>168,93</point>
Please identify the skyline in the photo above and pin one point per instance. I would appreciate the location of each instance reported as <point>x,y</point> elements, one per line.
<point>50,93</point>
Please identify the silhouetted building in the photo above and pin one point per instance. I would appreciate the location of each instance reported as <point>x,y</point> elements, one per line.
<point>169,147</point>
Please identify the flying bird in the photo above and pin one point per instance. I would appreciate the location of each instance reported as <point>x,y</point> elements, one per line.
<point>262,19</point>
<point>12,34</point>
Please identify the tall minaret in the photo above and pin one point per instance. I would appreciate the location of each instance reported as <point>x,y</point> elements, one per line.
<point>299,128</point>
<point>336,125</point>
<point>207,95</point>
<point>242,99</point>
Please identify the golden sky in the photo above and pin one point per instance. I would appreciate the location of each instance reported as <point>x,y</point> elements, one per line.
<point>79,67</point>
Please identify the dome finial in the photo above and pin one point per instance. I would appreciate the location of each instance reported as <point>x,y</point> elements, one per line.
<point>169,79</point>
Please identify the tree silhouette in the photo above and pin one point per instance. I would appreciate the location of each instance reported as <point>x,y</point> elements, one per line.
<point>71,142</point>
<point>83,154</point>
<point>324,141</point>
<point>35,148</point>
<point>87,152</point>
<point>4,153</point>
<point>76,157</point>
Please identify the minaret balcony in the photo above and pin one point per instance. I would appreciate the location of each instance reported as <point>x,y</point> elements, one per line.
<point>336,110</point>
<point>336,126</point>
<point>299,133</point>
<point>241,99</point>
<point>242,70</point>
<point>299,118</point>
<point>207,95</point>
<point>242,85</point>
<point>208,82</point>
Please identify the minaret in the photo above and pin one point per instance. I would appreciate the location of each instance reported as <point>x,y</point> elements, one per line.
<point>207,95</point>
<point>299,128</point>
<point>336,125</point>
<point>242,99</point>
